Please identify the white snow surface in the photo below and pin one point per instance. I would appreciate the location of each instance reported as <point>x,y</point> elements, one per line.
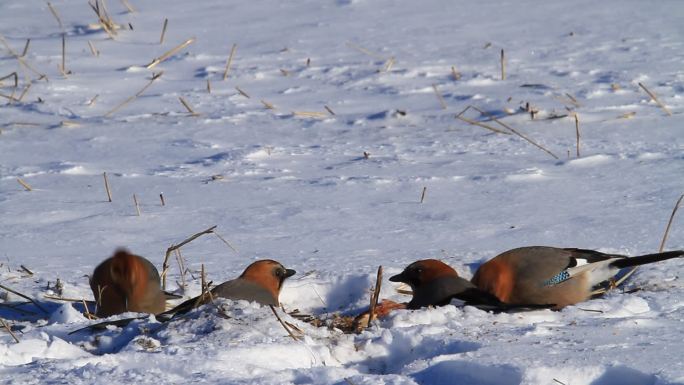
<point>298,189</point>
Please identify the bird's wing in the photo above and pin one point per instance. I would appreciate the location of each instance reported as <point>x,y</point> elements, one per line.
<point>242,289</point>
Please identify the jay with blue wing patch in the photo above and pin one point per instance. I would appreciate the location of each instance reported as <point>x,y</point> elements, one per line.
<point>551,275</point>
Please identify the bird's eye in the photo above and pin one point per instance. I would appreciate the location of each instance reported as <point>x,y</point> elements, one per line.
<point>419,270</point>
<point>279,273</point>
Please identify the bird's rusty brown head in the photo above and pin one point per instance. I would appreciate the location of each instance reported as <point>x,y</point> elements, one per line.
<point>267,273</point>
<point>421,272</point>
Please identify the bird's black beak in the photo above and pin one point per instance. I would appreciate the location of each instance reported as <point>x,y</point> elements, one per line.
<point>401,277</point>
<point>289,273</point>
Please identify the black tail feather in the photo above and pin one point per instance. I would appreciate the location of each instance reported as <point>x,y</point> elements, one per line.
<point>645,259</point>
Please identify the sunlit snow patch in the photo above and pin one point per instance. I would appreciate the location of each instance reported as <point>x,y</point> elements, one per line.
<point>589,161</point>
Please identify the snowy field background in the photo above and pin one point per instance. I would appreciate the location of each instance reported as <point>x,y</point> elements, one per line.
<point>299,189</point>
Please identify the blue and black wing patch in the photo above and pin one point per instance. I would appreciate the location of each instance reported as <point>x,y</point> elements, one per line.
<point>557,279</point>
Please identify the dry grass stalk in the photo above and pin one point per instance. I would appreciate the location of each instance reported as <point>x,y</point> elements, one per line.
<point>203,282</point>
<point>627,115</point>
<point>12,98</point>
<point>308,62</point>
<point>91,102</point>
<point>267,104</point>
<point>93,50</point>
<point>476,123</point>
<point>669,223</point>
<point>170,53</point>
<point>422,195</point>
<point>24,124</point>
<point>87,313</point>
<point>455,74</point>
<point>515,132</point>
<point>9,330</point>
<point>375,296</point>
<point>104,20</point>
<point>105,11</point>
<point>26,186</point>
<point>289,332</point>
<point>187,106</point>
<point>137,206</point>
<point>208,86</point>
<point>229,61</point>
<point>21,60</point>
<point>163,32</point>
<point>577,132</point>
<point>330,111</point>
<point>226,242</point>
<point>24,297</point>
<point>655,99</point>
<point>29,272</point>
<point>106,182</point>
<point>310,114</point>
<point>284,72</point>
<point>55,298</point>
<point>98,300</point>
<point>161,198</point>
<point>573,100</point>
<point>63,67</point>
<point>12,75</point>
<point>439,97</point>
<point>348,381</point>
<point>181,267</point>
<point>128,6</point>
<point>24,92</point>
<point>363,50</point>
<point>165,264</point>
<point>26,48</point>
<point>9,97</point>
<point>130,99</point>
<point>503,65</point>
<point>243,93</point>
<point>56,15</point>
<point>387,67</point>
<point>206,294</point>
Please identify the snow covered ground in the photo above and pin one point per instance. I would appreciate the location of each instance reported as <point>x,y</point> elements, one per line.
<point>298,188</point>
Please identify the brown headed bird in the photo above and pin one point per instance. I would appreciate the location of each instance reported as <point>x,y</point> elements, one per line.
<point>127,282</point>
<point>434,283</point>
<point>260,282</point>
<point>550,275</point>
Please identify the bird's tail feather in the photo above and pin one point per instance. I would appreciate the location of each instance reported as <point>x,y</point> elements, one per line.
<point>645,259</point>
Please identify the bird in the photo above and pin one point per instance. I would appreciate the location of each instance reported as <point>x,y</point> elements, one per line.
<point>552,275</point>
<point>434,283</point>
<point>260,282</point>
<point>126,282</point>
